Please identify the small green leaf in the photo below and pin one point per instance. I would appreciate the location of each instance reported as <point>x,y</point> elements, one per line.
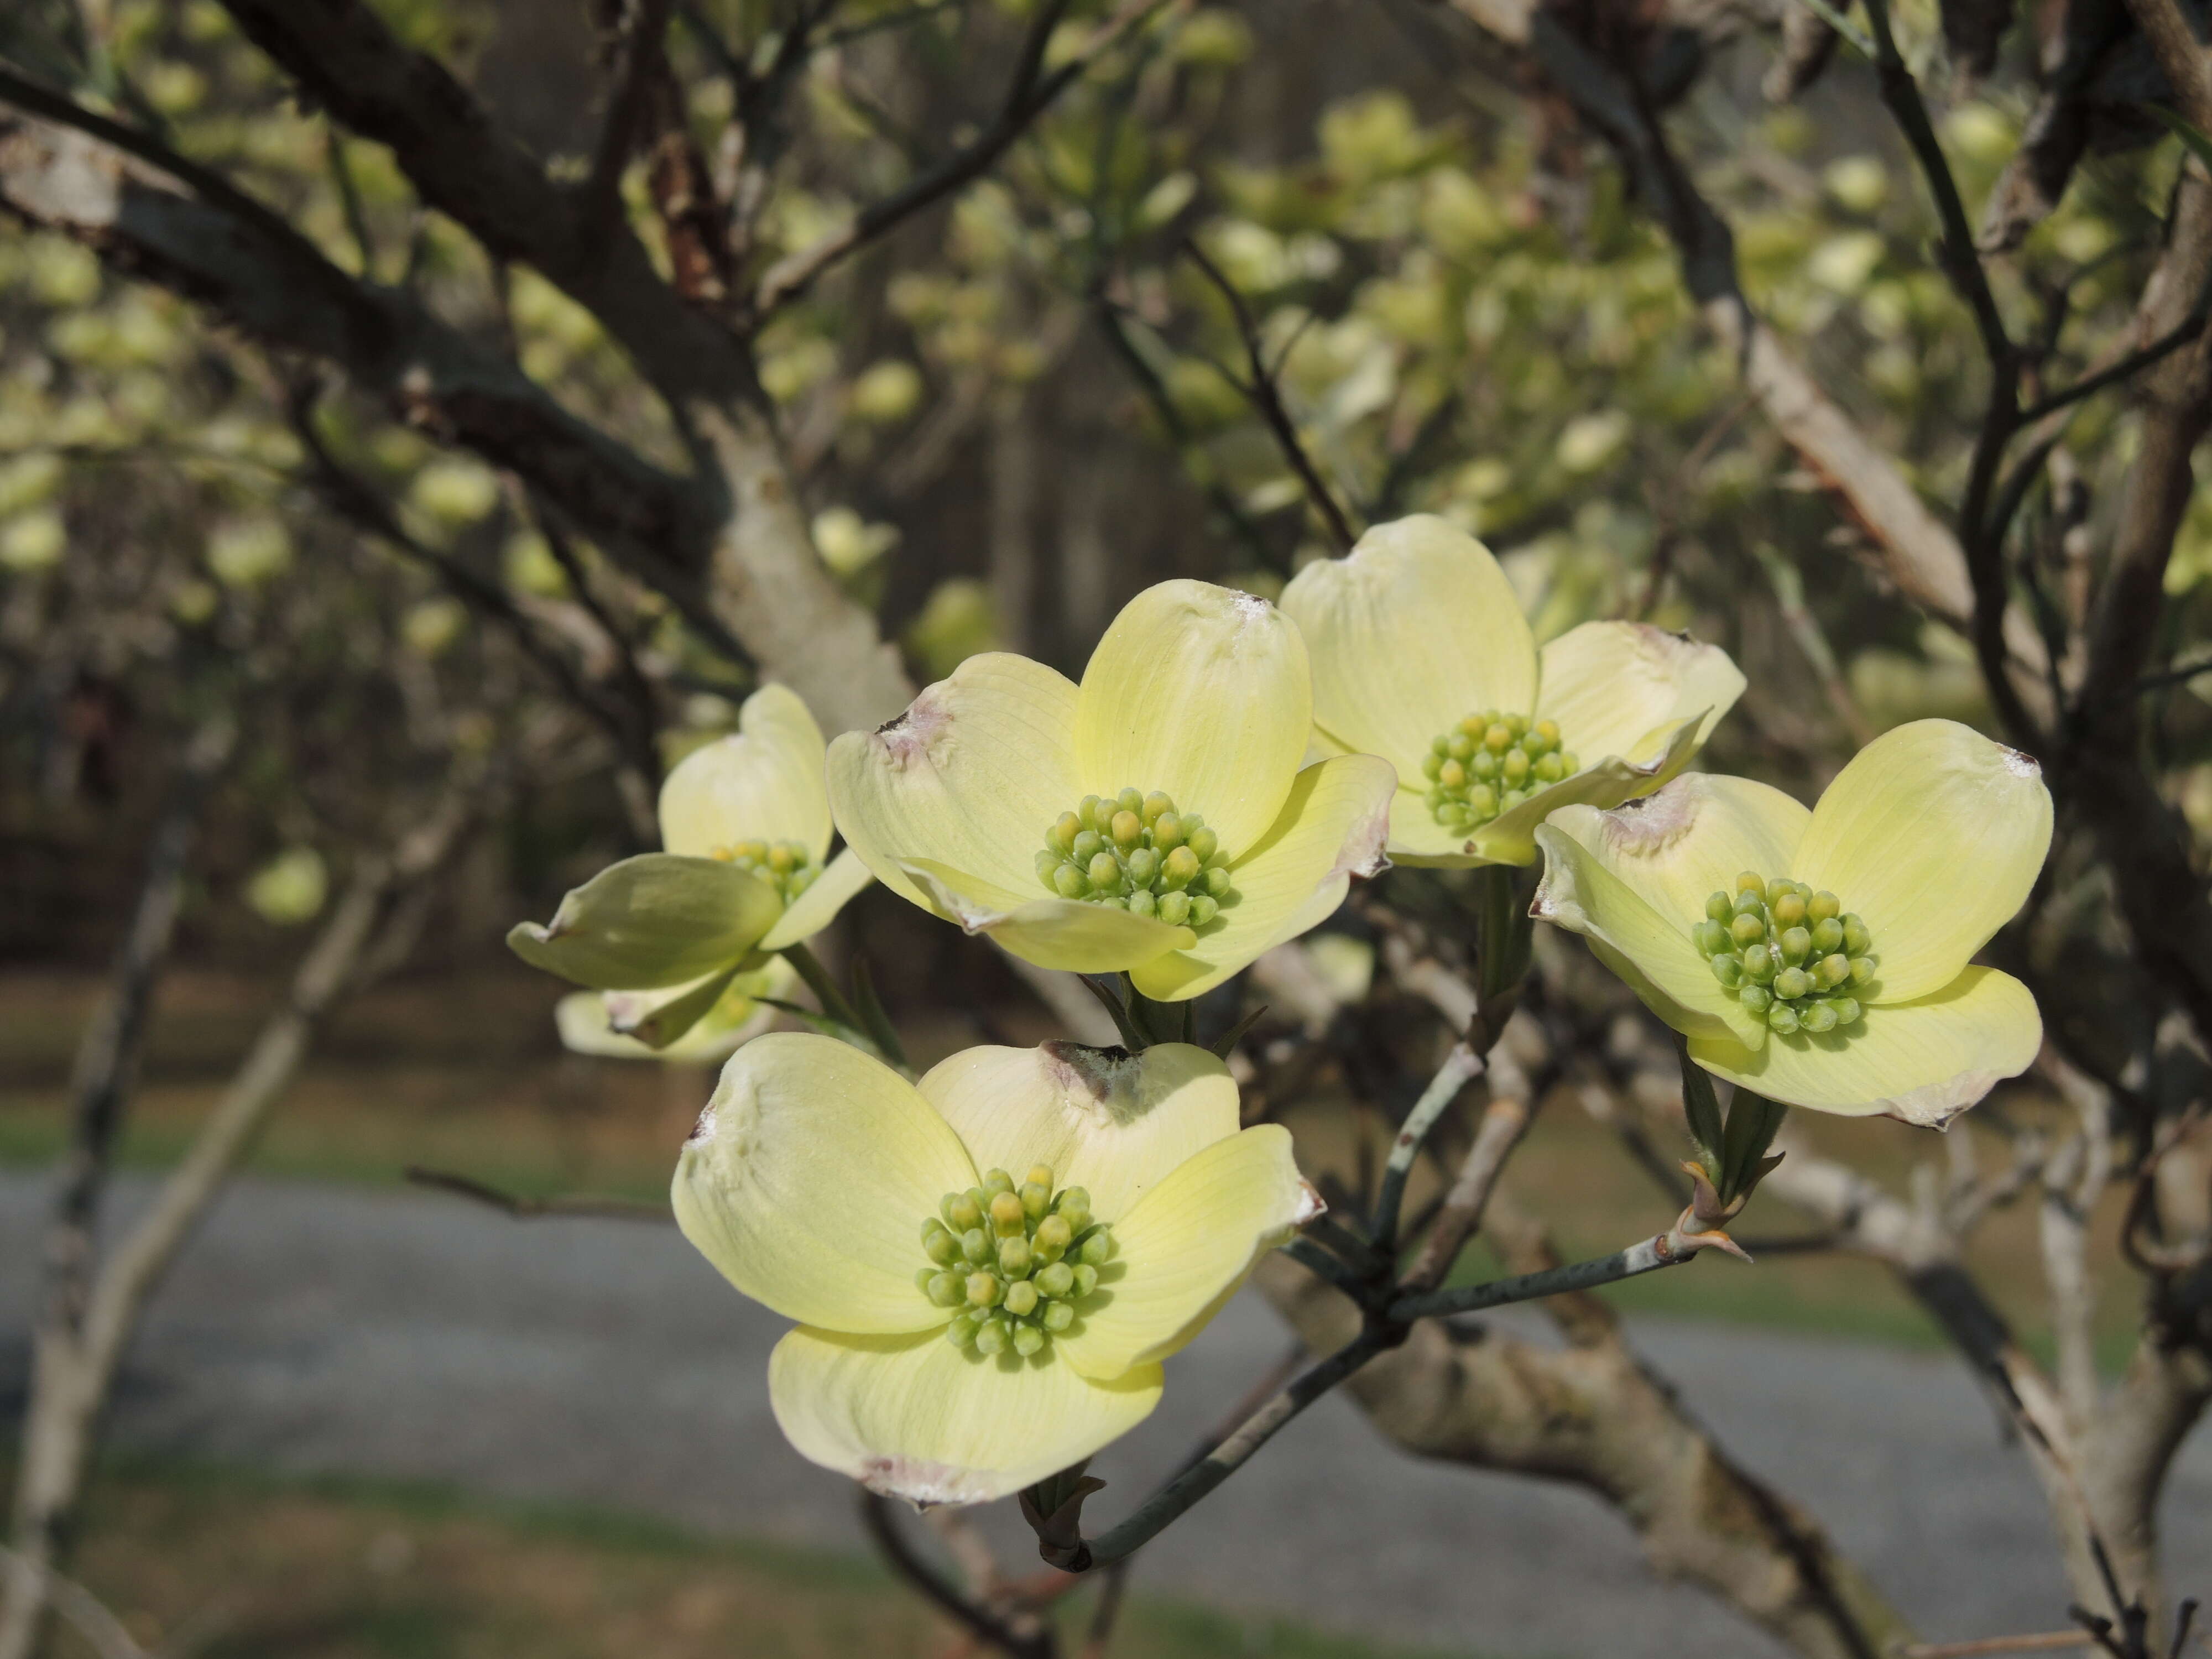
<point>650,922</point>
<point>1752,1123</point>
<point>1703,1109</point>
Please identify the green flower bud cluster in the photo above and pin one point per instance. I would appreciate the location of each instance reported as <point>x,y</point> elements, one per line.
<point>1136,852</point>
<point>1015,1260</point>
<point>1791,955</point>
<point>1489,763</point>
<point>785,865</point>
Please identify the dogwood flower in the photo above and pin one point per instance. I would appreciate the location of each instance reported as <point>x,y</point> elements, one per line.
<point>987,1266</point>
<point>1822,958</point>
<point>1421,655</point>
<point>745,822</point>
<point>1155,819</point>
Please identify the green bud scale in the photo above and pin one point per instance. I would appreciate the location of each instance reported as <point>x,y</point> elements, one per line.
<point>1491,762</point>
<point>1136,852</point>
<point>1786,953</point>
<point>785,865</point>
<point>1015,1262</point>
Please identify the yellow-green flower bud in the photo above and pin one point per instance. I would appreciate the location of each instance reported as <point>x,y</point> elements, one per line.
<point>1057,1316</point>
<point>923,1278</point>
<point>1086,1279</point>
<point>1791,983</point>
<point>1174,909</point>
<point>1088,846</point>
<point>1548,731</point>
<point>1027,1340</point>
<point>1789,910</point>
<point>1097,1247</point>
<point>1750,881</point>
<point>1180,868</point>
<point>1130,800</point>
<point>1831,970</point>
<point>1776,889</point>
<point>1022,1299</point>
<point>1549,769</point>
<point>1217,881</point>
<point>1144,867</point>
<point>1459,746</point>
<point>1126,828</point>
<point>1823,907</point>
<point>1758,964</point>
<point>1827,936</point>
<point>1006,1214</point>
<point>1797,943</point>
<point>1167,833</point>
<point>1516,766</point>
<point>1090,812</point>
<point>938,1243</point>
<point>1863,969</point>
<point>1035,1196</point>
<point>993,1337</point>
<point>976,1246</point>
<point>983,1291</point>
<point>1857,941</point>
<point>1205,843</point>
<point>1056,1278</point>
<point>1782,1019</point>
<point>1746,930</point>
<point>1203,909</point>
<point>1710,938</point>
<point>994,1183</point>
<point>1452,775</point>
<point>1157,804</point>
<point>960,1332</point>
<point>1104,870</point>
<point>1847,1009</point>
<point>1756,998</point>
<point>1498,739</point>
<point>1064,829</point>
<point>1816,1018</point>
<point>1014,1256</point>
<point>1053,1236</point>
<point>947,1290</point>
<point>1728,969</point>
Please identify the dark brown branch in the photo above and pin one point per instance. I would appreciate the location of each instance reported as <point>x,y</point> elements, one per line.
<point>980,1623</point>
<point>1028,94</point>
<point>524,1208</point>
<point>1265,393</point>
<point>644,27</point>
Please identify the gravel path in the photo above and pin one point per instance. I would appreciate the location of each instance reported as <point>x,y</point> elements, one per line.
<point>333,1329</point>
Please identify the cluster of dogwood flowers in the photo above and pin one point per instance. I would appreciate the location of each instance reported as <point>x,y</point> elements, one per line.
<point>1208,791</point>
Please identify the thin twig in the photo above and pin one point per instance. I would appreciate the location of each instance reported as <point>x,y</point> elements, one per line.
<point>1637,1260</point>
<point>524,1208</point>
<point>1461,1066</point>
<point>1505,1120</point>
<point>2045,1641</point>
<point>1266,396</point>
<point>978,1621</point>
<point>1029,93</point>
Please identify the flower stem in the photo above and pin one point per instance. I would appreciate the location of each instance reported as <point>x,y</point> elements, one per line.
<point>838,1007</point>
<point>1651,1255</point>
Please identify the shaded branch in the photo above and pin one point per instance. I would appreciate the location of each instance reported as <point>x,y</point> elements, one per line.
<point>524,1208</point>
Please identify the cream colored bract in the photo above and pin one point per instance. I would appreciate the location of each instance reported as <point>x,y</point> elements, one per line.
<point>670,934</point>
<point>1933,834</point>
<point>1417,630</point>
<point>813,1164</point>
<point>1198,694</point>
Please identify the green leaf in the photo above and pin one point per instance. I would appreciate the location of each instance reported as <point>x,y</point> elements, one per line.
<point>1703,1109</point>
<point>1752,1123</point>
<point>650,922</point>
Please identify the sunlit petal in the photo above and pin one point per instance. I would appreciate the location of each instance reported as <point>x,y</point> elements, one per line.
<point>1415,630</point>
<point>765,782</point>
<point>1202,692</point>
<point>915,1418</point>
<point>1111,1122</point>
<point>1933,834</point>
<point>1924,1061</point>
<point>808,1179</point>
<point>1620,688</point>
<point>1186,1247</point>
<point>818,906</point>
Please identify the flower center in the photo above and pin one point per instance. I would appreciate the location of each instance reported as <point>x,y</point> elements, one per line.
<point>785,865</point>
<point>1489,763</point>
<point>1791,955</point>
<point>1016,1260</point>
<point>1136,852</point>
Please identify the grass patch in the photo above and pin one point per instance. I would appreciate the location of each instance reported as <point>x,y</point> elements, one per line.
<point>234,1565</point>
